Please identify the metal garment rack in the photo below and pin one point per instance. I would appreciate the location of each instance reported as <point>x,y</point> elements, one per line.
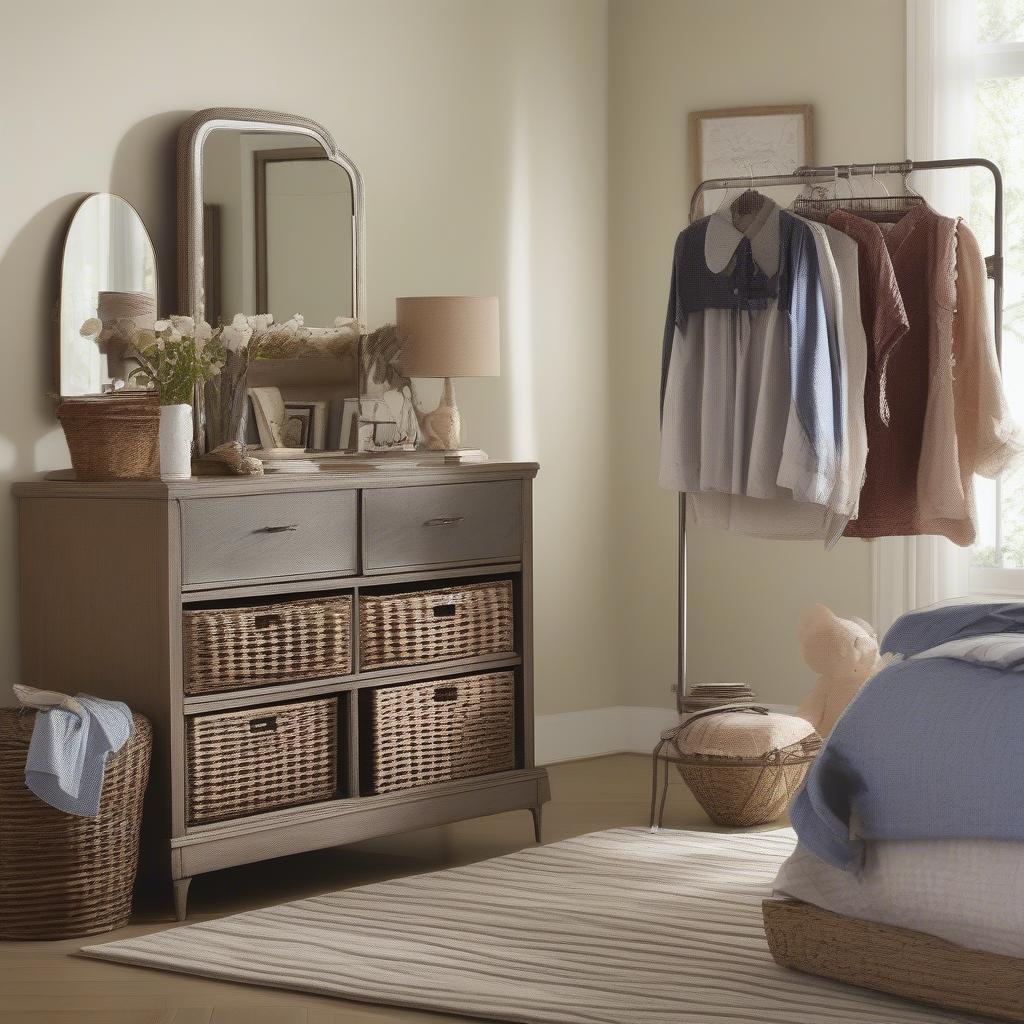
<point>806,176</point>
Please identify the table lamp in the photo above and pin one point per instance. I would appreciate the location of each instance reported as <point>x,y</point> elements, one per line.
<point>447,336</point>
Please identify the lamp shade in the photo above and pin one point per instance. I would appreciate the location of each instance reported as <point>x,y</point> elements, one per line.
<point>448,336</point>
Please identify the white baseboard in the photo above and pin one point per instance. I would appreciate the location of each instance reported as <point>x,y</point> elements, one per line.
<point>573,735</point>
<point>618,730</point>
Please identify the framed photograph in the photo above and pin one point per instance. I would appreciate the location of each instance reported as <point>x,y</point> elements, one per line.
<point>305,425</point>
<point>750,140</point>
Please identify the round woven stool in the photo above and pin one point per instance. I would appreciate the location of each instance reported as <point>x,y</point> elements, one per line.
<point>62,875</point>
<point>738,792</point>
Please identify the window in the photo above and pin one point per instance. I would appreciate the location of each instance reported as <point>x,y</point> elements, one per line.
<point>997,564</point>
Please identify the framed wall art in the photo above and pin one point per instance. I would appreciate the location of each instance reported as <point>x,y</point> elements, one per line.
<point>750,140</point>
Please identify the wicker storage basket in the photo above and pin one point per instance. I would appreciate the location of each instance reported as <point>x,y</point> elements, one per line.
<point>899,961</point>
<point>435,625</point>
<point>439,731</point>
<point>233,648</point>
<point>259,759</point>
<point>62,875</point>
<point>113,438</point>
<point>741,792</point>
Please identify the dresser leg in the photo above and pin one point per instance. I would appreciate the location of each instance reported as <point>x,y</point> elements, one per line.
<point>181,897</point>
<point>536,812</point>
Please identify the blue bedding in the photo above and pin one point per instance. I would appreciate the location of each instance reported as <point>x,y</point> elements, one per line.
<point>932,748</point>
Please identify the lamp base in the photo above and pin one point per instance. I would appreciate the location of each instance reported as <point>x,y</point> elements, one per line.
<point>442,428</point>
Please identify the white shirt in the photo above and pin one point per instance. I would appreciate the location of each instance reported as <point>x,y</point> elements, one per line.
<point>783,517</point>
<point>731,421</point>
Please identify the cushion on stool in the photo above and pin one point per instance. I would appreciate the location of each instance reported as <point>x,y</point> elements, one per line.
<point>741,733</point>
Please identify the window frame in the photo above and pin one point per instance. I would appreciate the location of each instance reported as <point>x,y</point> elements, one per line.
<point>997,60</point>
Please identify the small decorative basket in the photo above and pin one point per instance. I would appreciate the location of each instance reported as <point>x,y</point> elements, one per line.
<point>747,788</point>
<point>62,875</point>
<point>113,438</point>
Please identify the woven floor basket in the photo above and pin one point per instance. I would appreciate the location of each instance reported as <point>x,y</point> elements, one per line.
<point>63,875</point>
<point>114,438</point>
<point>260,759</point>
<point>740,792</point>
<point>233,648</point>
<point>443,730</point>
<point>435,625</point>
<point>895,960</point>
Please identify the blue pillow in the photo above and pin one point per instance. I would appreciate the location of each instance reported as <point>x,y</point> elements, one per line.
<point>921,630</point>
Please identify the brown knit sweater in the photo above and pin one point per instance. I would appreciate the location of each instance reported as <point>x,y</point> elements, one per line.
<point>948,415</point>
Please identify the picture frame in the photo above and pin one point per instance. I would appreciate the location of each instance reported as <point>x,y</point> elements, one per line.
<point>736,141</point>
<point>305,425</point>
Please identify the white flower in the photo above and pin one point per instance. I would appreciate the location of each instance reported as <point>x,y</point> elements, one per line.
<point>144,339</point>
<point>162,325</point>
<point>237,334</point>
<point>184,325</point>
<point>91,328</point>
<point>260,322</point>
<point>203,334</point>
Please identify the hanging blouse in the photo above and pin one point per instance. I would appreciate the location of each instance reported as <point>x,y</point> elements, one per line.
<point>782,518</point>
<point>948,417</point>
<point>750,404</point>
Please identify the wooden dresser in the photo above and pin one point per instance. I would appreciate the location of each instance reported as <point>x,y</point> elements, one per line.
<point>166,595</point>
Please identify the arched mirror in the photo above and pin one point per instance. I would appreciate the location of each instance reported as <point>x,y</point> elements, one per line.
<point>270,222</point>
<point>109,272</point>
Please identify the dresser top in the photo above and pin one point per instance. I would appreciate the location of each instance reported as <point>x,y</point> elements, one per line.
<point>340,476</point>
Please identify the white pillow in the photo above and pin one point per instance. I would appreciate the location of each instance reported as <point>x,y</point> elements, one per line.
<point>967,891</point>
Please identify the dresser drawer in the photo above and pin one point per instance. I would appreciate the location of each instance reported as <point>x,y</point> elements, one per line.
<point>268,535</point>
<point>405,527</point>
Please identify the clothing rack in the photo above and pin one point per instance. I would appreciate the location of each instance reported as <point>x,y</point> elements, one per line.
<point>806,176</point>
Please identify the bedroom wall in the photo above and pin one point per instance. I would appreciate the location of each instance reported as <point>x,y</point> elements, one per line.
<point>668,57</point>
<point>481,131</point>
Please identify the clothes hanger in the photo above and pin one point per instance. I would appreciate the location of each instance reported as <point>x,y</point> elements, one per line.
<point>748,202</point>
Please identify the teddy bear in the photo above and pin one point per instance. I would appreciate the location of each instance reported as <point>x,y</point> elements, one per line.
<point>845,654</point>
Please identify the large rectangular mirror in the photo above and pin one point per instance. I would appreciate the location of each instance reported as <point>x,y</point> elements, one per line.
<point>270,222</point>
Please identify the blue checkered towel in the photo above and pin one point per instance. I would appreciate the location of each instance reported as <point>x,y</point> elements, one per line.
<point>71,741</point>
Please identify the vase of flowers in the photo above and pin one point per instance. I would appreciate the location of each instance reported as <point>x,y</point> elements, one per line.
<point>172,358</point>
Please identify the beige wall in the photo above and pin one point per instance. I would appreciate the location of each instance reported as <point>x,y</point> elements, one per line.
<point>669,57</point>
<point>530,148</point>
<point>480,128</point>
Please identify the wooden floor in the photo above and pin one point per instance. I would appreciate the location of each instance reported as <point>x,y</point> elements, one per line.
<point>45,983</point>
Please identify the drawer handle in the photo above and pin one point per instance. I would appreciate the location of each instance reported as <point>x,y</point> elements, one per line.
<point>445,611</point>
<point>266,621</point>
<point>277,529</point>
<point>266,724</point>
<point>446,694</point>
<point>445,521</point>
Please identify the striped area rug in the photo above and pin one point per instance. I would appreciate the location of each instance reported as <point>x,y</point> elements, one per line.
<point>620,926</point>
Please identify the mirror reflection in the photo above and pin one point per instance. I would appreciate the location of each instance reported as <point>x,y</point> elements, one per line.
<point>278,230</point>
<point>109,272</point>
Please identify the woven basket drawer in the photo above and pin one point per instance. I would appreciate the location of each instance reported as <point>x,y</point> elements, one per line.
<point>442,730</point>
<point>259,759</point>
<point>435,625</point>
<point>234,648</point>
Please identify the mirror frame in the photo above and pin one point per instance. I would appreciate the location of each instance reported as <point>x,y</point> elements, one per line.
<point>191,138</point>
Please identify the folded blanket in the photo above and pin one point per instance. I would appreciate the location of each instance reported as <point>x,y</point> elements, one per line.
<point>71,741</point>
<point>932,748</point>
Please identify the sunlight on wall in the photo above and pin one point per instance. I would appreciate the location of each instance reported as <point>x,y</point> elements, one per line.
<point>518,342</point>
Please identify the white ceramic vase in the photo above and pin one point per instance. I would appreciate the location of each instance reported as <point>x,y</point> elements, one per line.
<point>175,442</point>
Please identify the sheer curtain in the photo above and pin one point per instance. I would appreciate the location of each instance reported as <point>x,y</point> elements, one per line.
<point>910,572</point>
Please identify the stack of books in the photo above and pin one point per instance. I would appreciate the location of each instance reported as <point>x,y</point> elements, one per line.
<point>713,695</point>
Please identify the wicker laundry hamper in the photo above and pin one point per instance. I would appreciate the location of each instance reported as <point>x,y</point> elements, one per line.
<point>743,791</point>
<point>113,438</point>
<point>62,875</point>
